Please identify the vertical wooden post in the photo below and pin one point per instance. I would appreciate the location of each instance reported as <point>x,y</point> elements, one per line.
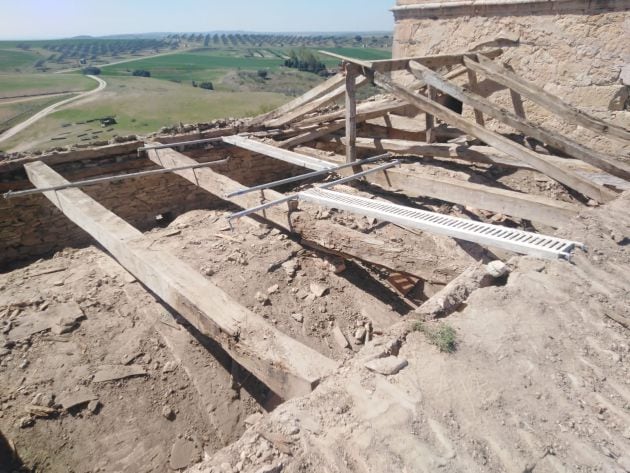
<point>472,82</point>
<point>351,112</point>
<point>517,102</point>
<point>430,119</point>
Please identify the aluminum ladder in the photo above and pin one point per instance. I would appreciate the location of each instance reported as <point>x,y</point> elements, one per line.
<point>486,234</point>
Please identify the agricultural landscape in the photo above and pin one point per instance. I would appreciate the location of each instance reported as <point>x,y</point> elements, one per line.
<point>157,81</point>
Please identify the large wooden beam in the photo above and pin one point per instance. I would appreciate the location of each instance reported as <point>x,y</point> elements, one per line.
<point>516,204</point>
<point>368,110</point>
<point>571,180</point>
<point>486,155</point>
<point>312,105</point>
<point>566,145</point>
<point>288,367</point>
<point>323,235</point>
<point>313,94</point>
<point>352,72</point>
<point>500,74</point>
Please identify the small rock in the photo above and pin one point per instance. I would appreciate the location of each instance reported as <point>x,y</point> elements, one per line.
<point>24,364</point>
<point>626,433</point>
<point>270,468</point>
<point>182,454</point>
<point>43,399</point>
<point>339,337</point>
<point>290,267</point>
<point>169,367</point>
<point>252,419</point>
<point>386,366</point>
<point>318,289</point>
<point>273,289</point>
<point>64,325</point>
<point>262,298</point>
<point>298,317</point>
<point>497,269</point>
<point>359,334</point>
<point>168,413</point>
<point>24,422</point>
<point>93,406</point>
<point>208,271</point>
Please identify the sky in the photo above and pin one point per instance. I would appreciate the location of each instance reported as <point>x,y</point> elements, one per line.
<point>43,19</point>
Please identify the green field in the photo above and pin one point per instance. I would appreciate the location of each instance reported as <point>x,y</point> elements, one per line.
<point>20,85</point>
<point>12,59</point>
<point>139,106</point>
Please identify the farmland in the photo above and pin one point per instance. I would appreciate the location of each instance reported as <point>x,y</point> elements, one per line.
<point>246,72</point>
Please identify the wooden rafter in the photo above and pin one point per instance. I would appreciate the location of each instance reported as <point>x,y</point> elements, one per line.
<point>288,367</point>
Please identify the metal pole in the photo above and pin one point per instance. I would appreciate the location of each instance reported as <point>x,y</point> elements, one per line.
<point>295,196</point>
<point>302,177</point>
<point>100,180</point>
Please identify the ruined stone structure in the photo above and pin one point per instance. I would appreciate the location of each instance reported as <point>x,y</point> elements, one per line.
<point>573,48</point>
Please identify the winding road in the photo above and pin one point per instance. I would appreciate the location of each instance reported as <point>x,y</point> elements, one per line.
<point>50,109</point>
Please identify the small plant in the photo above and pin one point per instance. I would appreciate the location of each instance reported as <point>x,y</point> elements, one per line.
<point>442,336</point>
<point>207,85</point>
<point>91,70</point>
<point>141,73</point>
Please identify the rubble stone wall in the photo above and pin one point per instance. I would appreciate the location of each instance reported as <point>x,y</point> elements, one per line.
<point>31,227</point>
<point>575,49</point>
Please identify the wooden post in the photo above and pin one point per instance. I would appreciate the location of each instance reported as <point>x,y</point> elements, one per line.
<point>430,119</point>
<point>351,112</point>
<point>472,82</point>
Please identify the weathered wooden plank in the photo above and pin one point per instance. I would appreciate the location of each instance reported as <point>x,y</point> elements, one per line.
<point>352,73</point>
<point>566,145</point>
<point>430,119</point>
<point>499,73</point>
<point>516,204</point>
<point>570,179</point>
<point>312,105</point>
<point>288,367</point>
<point>472,83</point>
<point>313,94</point>
<point>323,235</point>
<point>371,109</point>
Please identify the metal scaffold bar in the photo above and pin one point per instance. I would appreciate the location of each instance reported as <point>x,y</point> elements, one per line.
<point>244,213</point>
<point>101,180</point>
<point>301,177</point>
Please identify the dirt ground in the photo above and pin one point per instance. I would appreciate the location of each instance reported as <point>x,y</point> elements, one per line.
<point>539,381</point>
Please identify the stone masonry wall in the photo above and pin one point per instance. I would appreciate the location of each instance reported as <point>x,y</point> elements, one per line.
<point>579,51</point>
<point>31,227</point>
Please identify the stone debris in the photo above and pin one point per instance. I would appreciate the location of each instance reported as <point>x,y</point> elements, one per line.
<point>253,418</point>
<point>77,398</point>
<point>386,366</point>
<point>115,372</point>
<point>290,267</point>
<point>24,422</point>
<point>94,406</point>
<point>497,269</point>
<point>360,334</point>
<point>298,317</point>
<point>183,454</point>
<point>169,367</point>
<point>57,318</point>
<point>273,289</point>
<point>318,290</point>
<point>339,337</point>
<point>262,298</point>
<point>168,413</point>
<point>43,399</point>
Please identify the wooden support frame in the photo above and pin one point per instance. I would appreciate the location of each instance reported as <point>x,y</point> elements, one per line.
<point>566,145</point>
<point>516,204</point>
<point>472,83</point>
<point>322,235</point>
<point>571,180</point>
<point>430,119</point>
<point>352,72</point>
<point>288,367</point>
<point>502,75</point>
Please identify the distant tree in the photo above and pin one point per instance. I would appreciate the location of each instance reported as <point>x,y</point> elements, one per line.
<point>194,84</point>
<point>206,41</point>
<point>262,73</point>
<point>207,85</point>
<point>91,70</point>
<point>141,73</point>
<point>305,60</point>
<point>358,38</point>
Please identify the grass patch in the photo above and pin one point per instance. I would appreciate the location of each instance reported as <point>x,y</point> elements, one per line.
<point>16,85</point>
<point>441,335</point>
<point>11,59</point>
<point>362,53</point>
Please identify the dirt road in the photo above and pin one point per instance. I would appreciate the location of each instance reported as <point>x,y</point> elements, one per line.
<point>48,110</point>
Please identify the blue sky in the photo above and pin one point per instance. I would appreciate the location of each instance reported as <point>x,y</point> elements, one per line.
<point>24,19</point>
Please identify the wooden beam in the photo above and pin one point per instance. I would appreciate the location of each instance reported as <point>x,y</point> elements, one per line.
<point>472,82</point>
<point>499,73</point>
<point>368,110</point>
<point>487,155</point>
<point>311,106</point>
<point>312,135</point>
<point>516,204</point>
<point>322,235</point>
<point>566,145</point>
<point>288,367</point>
<point>571,180</point>
<point>399,64</point>
<point>352,73</point>
<point>430,119</point>
<point>322,89</point>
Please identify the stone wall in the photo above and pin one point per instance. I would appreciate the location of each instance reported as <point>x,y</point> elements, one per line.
<point>31,227</point>
<point>576,49</point>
